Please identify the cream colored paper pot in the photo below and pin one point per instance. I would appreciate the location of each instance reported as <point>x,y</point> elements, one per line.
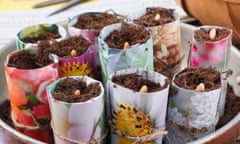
<point>75,122</point>
<point>140,112</point>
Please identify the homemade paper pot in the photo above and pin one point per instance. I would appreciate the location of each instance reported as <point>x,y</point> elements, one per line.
<point>192,114</point>
<point>112,59</point>
<point>88,34</point>
<point>212,53</point>
<point>35,30</point>
<point>74,122</point>
<point>79,65</point>
<point>166,44</point>
<point>28,97</point>
<point>152,104</point>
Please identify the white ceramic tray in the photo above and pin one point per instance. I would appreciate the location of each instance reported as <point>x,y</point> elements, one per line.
<point>230,131</point>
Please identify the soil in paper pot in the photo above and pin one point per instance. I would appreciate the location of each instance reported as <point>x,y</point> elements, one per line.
<point>68,89</point>
<point>190,78</point>
<point>135,82</point>
<point>26,60</point>
<point>64,48</point>
<point>211,47</point>
<point>40,37</point>
<point>77,110</point>
<point>150,19</point>
<point>88,25</point>
<point>165,29</point>
<point>129,34</point>
<point>203,34</point>
<point>27,76</point>
<point>30,36</point>
<point>96,21</point>
<point>123,46</point>
<point>138,101</point>
<point>75,55</point>
<point>193,109</point>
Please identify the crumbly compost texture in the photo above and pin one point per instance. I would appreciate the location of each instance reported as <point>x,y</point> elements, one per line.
<point>135,82</point>
<point>96,21</point>
<point>203,34</point>
<point>64,48</point>
<point>26,60</point>
<point>5,112</point>
<point>232,107</point>
<point>129,33</point>
<point>66,90</point>
<point>150,17</point>
<point>41,37</point>
<point>190,78</point>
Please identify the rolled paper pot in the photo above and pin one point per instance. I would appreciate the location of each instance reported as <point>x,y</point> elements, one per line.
<point>167,49</point>
<point>76,121</point>
<point>125,102</point>
<point>88,34</point>
<point>192,114</point>
<point>28,97</point>
<point>212,53</point>
<point>79,65</point>
<point>167,46</point>
<point>35,30</point>
<point>112,59</point>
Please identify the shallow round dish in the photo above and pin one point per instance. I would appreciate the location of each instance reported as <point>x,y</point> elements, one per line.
<point>225,135</point>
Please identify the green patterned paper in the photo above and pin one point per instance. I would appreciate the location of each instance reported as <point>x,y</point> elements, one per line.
<point>136,56</point>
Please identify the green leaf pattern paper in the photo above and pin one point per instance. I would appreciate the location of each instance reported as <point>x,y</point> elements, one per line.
<point>136,56</point>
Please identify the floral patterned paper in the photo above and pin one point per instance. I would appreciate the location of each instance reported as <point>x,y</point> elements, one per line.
<point>75,121</point>
<point>78,66</point>
<point>191,109</point>
<point>216,54</point>
<point>90,35</point>
<point>211,53</point>
<point>27,94</point>
<point>150,106</point>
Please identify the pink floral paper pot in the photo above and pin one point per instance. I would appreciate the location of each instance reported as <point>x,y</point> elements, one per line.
<point>192,114</point>
<point>28,97</point>
<point>36,30</point>
<point>212,53</point>
<point>88,34</point>
<point>137,112</point>
<point>75,122</point>
<point>79,65</point>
